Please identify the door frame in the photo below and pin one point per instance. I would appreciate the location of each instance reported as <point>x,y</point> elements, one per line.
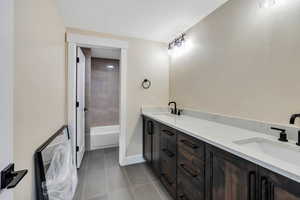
<point>78,40</point>
<point>78,85</point>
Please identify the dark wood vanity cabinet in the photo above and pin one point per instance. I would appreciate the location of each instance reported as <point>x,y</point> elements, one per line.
<point>276,187</point>
<point>229,177</point>
<point>193,170</point>
<point>151,144</point>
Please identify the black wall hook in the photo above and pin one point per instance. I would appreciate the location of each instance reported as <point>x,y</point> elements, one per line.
<point>146,84</point>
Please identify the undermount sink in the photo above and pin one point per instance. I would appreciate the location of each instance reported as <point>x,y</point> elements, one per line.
<point>278,150</point>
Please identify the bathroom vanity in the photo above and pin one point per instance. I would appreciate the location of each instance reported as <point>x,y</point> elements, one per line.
<point>197,159</point>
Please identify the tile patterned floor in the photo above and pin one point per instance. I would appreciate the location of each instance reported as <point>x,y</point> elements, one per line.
<point>101,178</point>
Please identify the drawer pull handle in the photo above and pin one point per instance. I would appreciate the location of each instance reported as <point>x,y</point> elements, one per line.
<point>166,179</point>
<point>271,191</point>
<point>264,189</point>
<point>189,171</point>
<point>169,153</point>
<point>189,144</point>
<point>183,197</point>
<point>169,133</point>
<point>252,185</point>
<point>150,127</point>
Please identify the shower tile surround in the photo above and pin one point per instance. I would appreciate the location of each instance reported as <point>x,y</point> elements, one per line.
<point>104,93</point>
<point>249,124</point>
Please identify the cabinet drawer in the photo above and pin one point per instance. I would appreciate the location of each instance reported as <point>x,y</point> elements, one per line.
<point>167,139</point>
<point>168,133</point>
<point>168,165</point>
<point>187,189</point>
<point>191,145</point>
<point>169,184</point>
<point>167,148</point>
<point>168,155</point>
<point>168,175</point>
<point>191,166</point>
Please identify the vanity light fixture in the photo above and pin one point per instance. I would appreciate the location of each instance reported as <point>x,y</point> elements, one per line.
<point>177,42</point>
<point>266,3</point>
<point>110,67</point>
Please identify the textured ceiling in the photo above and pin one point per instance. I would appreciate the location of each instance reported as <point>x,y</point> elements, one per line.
<point>158,20</point>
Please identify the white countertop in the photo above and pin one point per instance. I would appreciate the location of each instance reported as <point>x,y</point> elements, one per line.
<point>223,137</point>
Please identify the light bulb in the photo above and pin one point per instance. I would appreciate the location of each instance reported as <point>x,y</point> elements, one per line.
<point>267,3</point>
<point>110,67</point>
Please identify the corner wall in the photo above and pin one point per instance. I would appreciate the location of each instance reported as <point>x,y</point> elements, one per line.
<point>39,85</point>
<point>243,61</point>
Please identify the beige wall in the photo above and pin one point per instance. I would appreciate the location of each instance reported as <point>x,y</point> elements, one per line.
<point>243,61</point>
<point>146,59</point>
<point>40,83</point>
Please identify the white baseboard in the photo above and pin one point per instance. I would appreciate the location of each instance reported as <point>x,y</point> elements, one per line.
<point>102,147</point>
<point>131,160</point>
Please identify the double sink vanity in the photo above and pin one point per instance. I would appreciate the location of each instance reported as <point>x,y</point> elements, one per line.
<point>197,159</point>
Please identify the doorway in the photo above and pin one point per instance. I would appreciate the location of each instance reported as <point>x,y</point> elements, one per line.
<point>102,97</point>
<point>78,132</point>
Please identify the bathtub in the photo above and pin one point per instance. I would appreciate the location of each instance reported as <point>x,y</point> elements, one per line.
<point>101,137</point>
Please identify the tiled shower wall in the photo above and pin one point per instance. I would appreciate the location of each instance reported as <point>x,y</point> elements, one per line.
<point>104,93</point>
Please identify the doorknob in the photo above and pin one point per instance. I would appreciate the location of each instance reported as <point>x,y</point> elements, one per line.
<point>85,109</point>
<point>11,178</point>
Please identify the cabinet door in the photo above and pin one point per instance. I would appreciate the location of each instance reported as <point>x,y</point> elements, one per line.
<point>156,148</point>
<point>188,189</point>
<point>229,177</point>
<point>168,173</point>
<point>276,187</point>
<point>147,139</point>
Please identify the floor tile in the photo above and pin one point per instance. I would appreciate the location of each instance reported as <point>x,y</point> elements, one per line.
<point>100,197</point>
<point>137,175</point>
<point>149,172</point>
<point>122,194</point>
<point>102,178</point>
<point>164,195</point>
<point>111,157</point>
<point>146,192</point>
<point>117,179</point>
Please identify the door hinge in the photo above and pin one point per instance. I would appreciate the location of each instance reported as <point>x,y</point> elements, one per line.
<point>77,148</point>
<point>77,59</point>
<point>77,104</point>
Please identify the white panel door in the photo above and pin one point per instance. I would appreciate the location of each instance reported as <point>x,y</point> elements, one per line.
<point>80,106</point>
<point>6,88</point>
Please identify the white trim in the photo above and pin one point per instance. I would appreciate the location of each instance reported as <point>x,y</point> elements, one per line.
<point>131,160</point>
<point>72,94</point>
<point>75,40</point>
<point>123,109</point>
<point>90,41</point>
